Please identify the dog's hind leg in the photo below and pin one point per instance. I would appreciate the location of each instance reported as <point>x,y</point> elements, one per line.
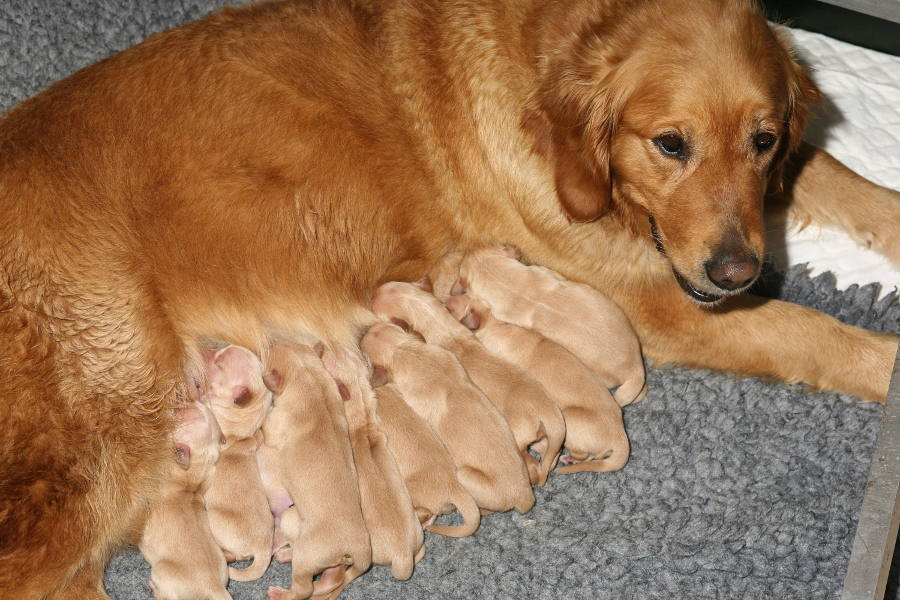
<point>77,466</point>
<point>85,585</point>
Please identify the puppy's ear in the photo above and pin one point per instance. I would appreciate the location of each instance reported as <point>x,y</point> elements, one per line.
<point>380,376</point>
<point>183,456</point>
<point>274,381</point>
<point>242,395</point>
<point>401,324</point>
<point>459,288</point>
<point>425,284</point>
<point>512,252</point>
<point>471,319</point>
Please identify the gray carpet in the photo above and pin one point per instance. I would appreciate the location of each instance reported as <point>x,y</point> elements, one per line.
<point>737,488</point>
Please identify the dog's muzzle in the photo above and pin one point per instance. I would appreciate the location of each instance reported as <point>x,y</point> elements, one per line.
<point>690,290</point>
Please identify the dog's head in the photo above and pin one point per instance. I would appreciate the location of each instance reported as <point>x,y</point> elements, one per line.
<point>677,116</point>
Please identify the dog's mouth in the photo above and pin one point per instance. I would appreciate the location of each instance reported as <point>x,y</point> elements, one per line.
<point>690,290</point>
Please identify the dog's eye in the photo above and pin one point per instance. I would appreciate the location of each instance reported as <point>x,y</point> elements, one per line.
<point>671,145</point>
<point>764,141</point>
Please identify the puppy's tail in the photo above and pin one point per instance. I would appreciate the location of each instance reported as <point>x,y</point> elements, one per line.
<point>470,514</point>
<point>556,437</point>
<point>597,466</point>
<point>261,561</point>
<point>632,390</point>
<point>219,594</point>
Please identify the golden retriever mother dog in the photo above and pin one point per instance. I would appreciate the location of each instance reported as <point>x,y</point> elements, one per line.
<point>256,175</point>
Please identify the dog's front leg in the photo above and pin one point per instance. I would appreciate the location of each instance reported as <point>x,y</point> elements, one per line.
<point>762,337</point>
<point>820,189</point>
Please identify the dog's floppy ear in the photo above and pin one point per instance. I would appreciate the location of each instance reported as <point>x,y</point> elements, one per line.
<point>802,95</point>
<point>572,118</point>
<point>583,188</point>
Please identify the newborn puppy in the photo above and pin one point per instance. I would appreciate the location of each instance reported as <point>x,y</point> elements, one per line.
<point>536,422</point>
<point>575,315</point>
<point>185,561</point>
<point>239,514</point>
<point>426,466</point>
<point>235,391</point>
<point>305,460</point>
<point>595,433</point>
<point>396,535</point>
<point>435,385</point>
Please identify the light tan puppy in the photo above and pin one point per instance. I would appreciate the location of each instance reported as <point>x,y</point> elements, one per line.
<point>185,561</point>
<point>536,422</point>
<point>583,320</point>
<point>445,274</point>
<point>435,385</point>
<point>305,459</point>
<point>239,514</point>
<point>426,466</point>
<point>595,434</point>
<point>396,535</point>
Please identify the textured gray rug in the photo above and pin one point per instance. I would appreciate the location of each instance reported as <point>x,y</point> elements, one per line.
<point>737,488</point>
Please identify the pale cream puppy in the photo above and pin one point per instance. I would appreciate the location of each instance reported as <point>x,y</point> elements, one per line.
<point>445,274</point>
<point>426,466</point>
<point>185,561</point>
<point>436,386</point>
<point>239,514</point>
<point>306,460</point>
<point>595,433</point>
<point>536,422</point>
<point>575,315</point>
<point>395,532</point>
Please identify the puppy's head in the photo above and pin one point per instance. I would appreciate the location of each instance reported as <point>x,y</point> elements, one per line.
<point>197,439</point>
<point>676,116</point>
<point>236,390</point>
<point>379,344</point>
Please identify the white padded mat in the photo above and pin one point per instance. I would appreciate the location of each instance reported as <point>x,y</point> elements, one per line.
<point>859,124</point>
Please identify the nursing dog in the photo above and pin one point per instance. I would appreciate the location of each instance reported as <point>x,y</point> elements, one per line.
<point>258,174</point>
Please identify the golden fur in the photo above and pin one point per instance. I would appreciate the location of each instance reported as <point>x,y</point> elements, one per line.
<point>307,427</point>
<point>310,151</point>
<point>595,432</point>
<point>536,423</point>
<point>185,560</point>
<point>435,385</point>
<point>236,504</point>
<point>395,532</point>
<point>426,466</point>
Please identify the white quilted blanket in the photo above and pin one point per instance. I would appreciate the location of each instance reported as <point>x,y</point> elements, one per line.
<point>859,123</point>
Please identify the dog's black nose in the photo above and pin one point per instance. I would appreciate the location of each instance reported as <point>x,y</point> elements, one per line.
<point>731,272</point>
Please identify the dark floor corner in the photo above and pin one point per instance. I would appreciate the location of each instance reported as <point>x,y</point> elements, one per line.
<point>836,22</point>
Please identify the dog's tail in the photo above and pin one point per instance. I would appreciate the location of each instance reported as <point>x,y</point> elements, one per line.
<point>261,559</point>
<point>470,514</point>
<point>632,390</point>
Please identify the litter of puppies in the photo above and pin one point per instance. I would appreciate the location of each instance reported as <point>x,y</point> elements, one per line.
<point>336,459</point>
